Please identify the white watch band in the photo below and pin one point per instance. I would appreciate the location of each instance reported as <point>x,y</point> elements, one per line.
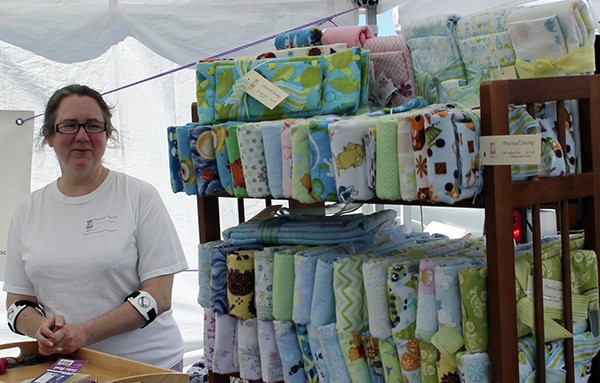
<point>145,304</point>
<point>16,308</point>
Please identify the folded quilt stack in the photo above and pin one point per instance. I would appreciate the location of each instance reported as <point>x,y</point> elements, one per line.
<point>393,306</point>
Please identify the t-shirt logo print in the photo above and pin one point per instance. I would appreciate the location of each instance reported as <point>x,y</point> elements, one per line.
<point>144,302</point>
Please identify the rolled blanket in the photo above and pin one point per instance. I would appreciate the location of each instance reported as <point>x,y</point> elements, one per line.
<point>225,359</point>
<point>354,355</point>
<point>188,174</point>
<point>252,156</point>
<point>209,337</point>
<point>204,250</point>
<point>352,35</point>
<point>270,360</point>
<point>318,50</point>
<point>222,156</point>
<point>235,162</point>
<point>391,60</point>
<point>240,284</point>
<point>299,38</point>
<point>283,282</point>
<point>389,359</point>
<point>301,182</point>
<point>321,161</point>
<point>308,359</point>
<point>248,349</point>
<point>286,160</point>
<point>474,368</point>
<point>333,355</point>
<point>387,180</point>
<point>203,158</point>
<point>271,137</point>
<point>349,155</point>
<point>263,266</point>
<point>174,167</point>
<point>291,355</point>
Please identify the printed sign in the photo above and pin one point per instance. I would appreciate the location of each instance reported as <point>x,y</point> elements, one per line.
<point>518,149</point>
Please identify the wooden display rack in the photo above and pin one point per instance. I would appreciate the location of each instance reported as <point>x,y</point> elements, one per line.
<point>102,367</point>
<point>500,196</point>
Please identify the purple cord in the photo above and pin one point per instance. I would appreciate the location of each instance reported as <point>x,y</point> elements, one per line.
<point>20,121</point>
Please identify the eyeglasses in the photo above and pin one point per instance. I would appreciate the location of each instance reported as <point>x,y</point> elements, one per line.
<point>90,127</point>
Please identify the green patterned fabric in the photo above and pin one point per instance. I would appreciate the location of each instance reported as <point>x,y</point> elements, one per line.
<point>283,283</point>
<point>429,357</point>
<point>390,360</point>
<point>387,179</point>
<point>301,184</point>
<point>354,355</point>
<point>473,294</point>
<point>235,162</point>
<point>315,85</point>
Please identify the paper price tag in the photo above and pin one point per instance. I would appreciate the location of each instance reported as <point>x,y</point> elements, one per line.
<point>523,149</point>
<point>553,294</point>
<point>264,91</point>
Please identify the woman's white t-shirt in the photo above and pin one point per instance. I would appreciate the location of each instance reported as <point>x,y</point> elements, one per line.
<point>81,256</point>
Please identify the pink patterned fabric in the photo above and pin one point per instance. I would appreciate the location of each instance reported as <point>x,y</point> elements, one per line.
<point>352,35</point>
<point>391,60</point>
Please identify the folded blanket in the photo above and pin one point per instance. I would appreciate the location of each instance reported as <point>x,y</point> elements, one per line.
<point>348,153</point>
<point>406,162</point>
<point>271,137</point>
<point>474,368</point>
<point>286,160</point>
<point>235,162</point>
<point>174,167</point>
<point>390,361</point>
<point>283,282</point>
<point>333,355</point>
<point>308,359</point>
<point>203,158</point>
<point>369,141</point>
<point>188,174</point>
<point>315,85</point>
<point>352,35</point>
<point>300,230</point>
<point>270,362</point>
<point>387,181</point>
<point>252,156</point>
<point>248,349</point>
<point>354,356</point>
<point>435,55</point>
<point>391,61</point>
<point>299,38</point>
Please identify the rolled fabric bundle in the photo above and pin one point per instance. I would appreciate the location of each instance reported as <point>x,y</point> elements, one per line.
<point>317,352</point>
<point>473,293</point>
<point>389,359</point>
<point>369,140</point>
<point>252,156</point>
<point>248,349</point>
<point>371,346</point>
<point>406,162</point>
<point>271,137</point>
<point>225,359</point>
<point>203,158</point>
<point>474,368</point>
<point>283,283</point>
<point>188,174</point>
<point>291,358</point>
<point>348,153</point>
<point>209,329</point>
<point>387,178</point>
<point>240,284</point>
<point>321,167</point>
<point>222,156</point>
<point>391,60</point>
<point>204,250</point>
<point>308,359</point>
<point>305,37</point>
<point>351,344</point>
<point>301,181</point>
<point>286,160</point>
<point>235,162</point>
<point>429,357</point>
<point>263,284</point>
<point>315,50</point>
<point>419,149</point>
<point>174,167</point>
<point>333,355</point>
<point>270,361</point>
<point>305,265</point>
<point>351,35</point>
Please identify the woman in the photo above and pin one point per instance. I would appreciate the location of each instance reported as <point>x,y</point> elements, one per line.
<point>91,256</point>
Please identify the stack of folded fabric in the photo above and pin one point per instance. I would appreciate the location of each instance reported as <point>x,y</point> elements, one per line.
<point>553,39</point>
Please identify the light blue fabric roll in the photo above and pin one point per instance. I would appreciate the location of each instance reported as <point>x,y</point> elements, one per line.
<point>291,355</point>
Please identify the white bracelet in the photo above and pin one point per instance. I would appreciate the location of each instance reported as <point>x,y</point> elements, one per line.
<point>145,304</point>
<point>16,308</point>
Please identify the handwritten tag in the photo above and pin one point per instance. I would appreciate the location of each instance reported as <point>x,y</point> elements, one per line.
<point>264,91</point>
<point>506,73</point>
<point>523,149</point>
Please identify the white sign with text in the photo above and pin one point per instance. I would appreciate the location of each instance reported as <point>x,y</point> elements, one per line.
<point>16,145</point>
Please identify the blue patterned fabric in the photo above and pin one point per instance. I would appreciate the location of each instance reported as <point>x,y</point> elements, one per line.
<point>331,84</point>
<point>203,158</point>
<point>291,355</point>
<point>305,37</point>
<point>321,167</point>
<point>188,174</point>
<point>174,166</point>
